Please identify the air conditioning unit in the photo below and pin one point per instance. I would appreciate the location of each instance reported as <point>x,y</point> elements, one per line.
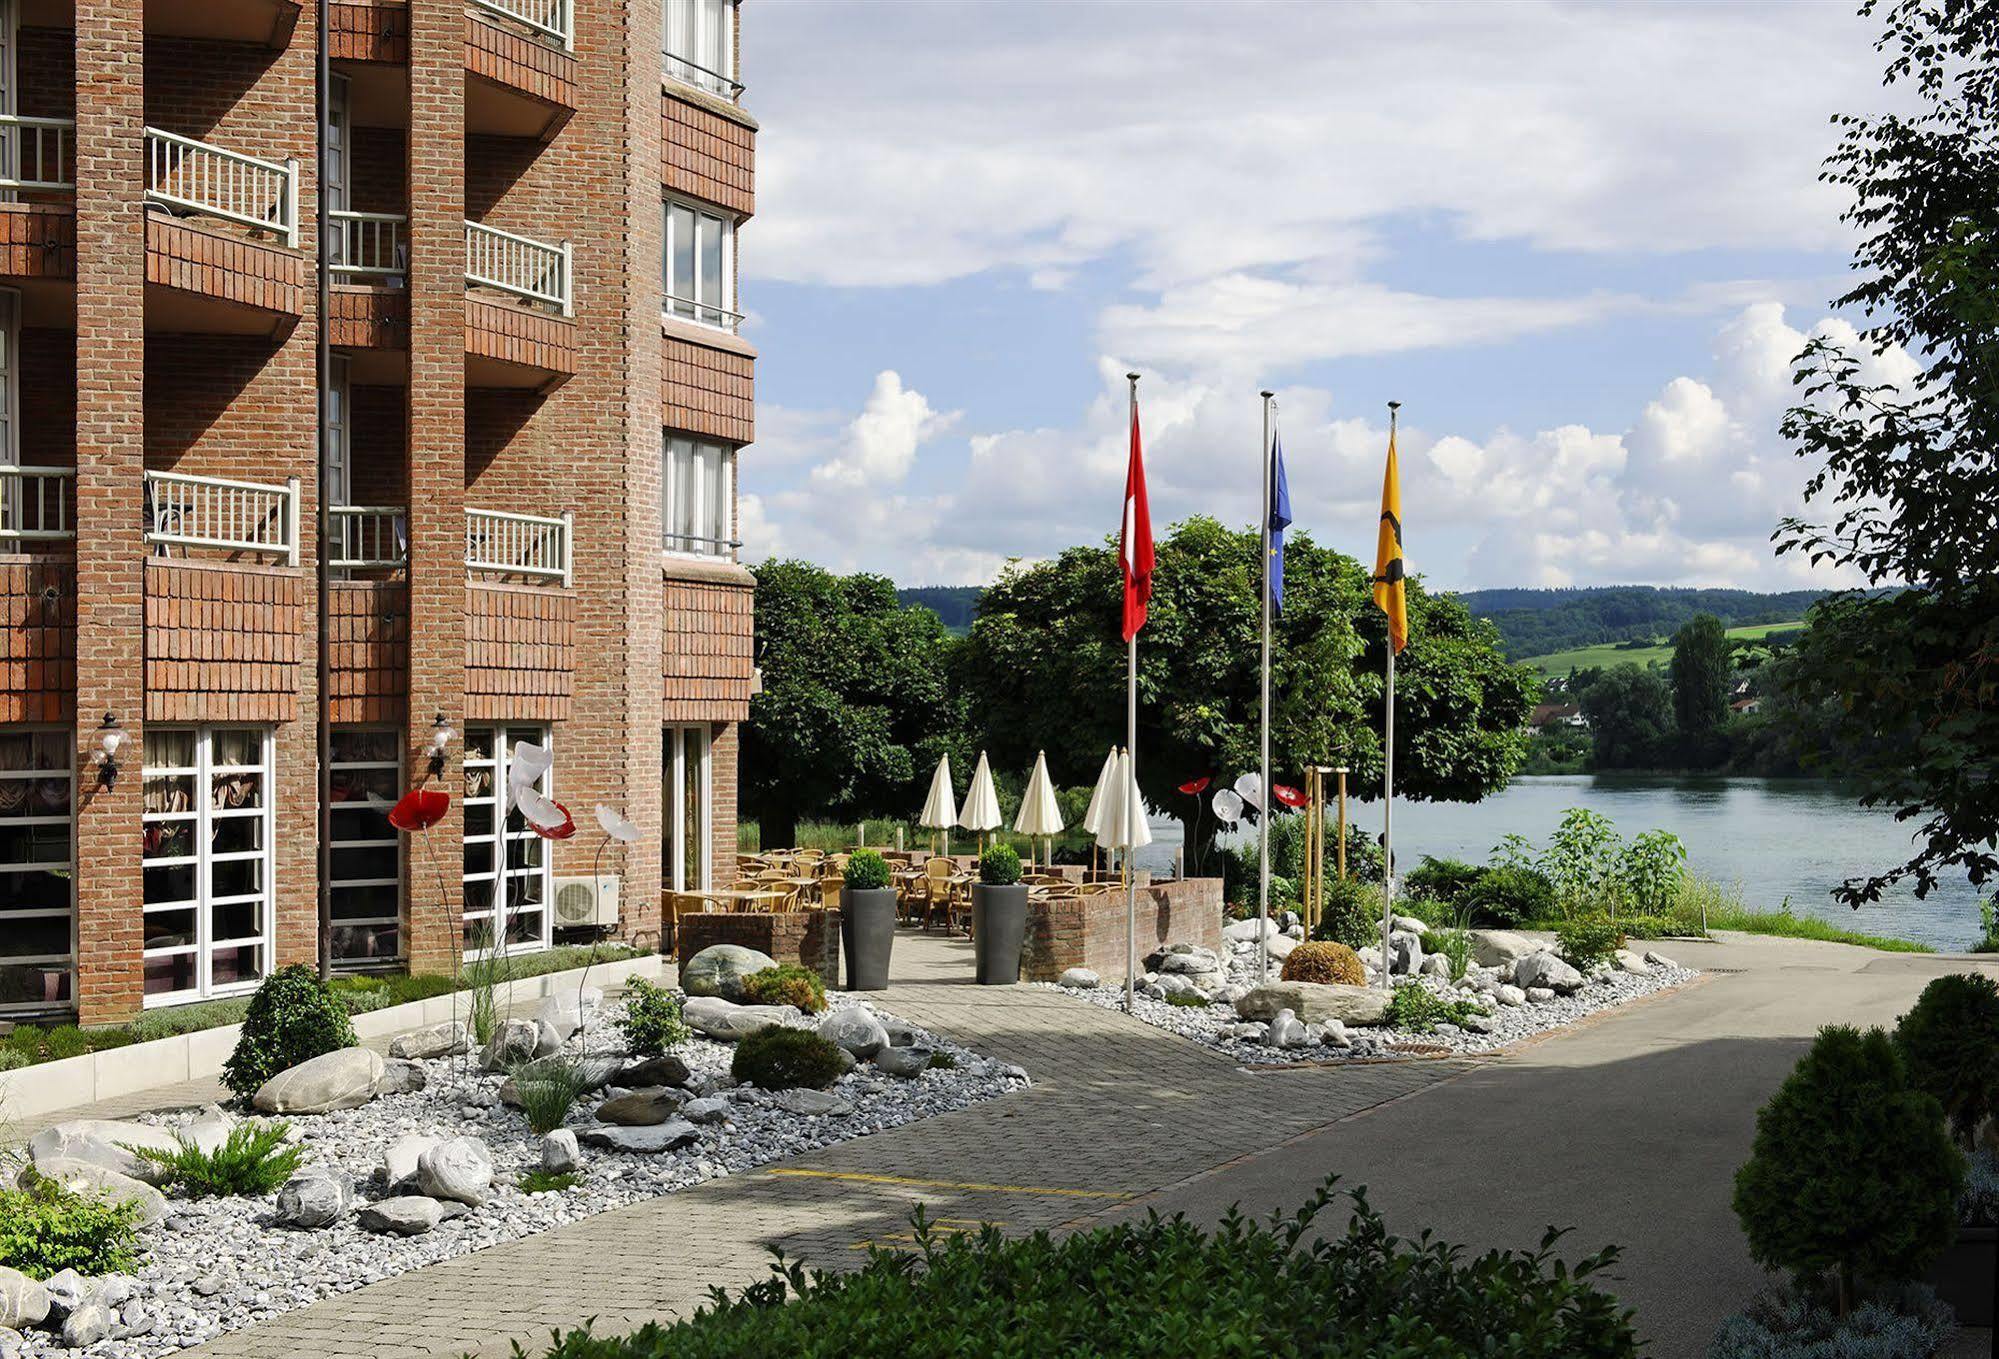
<point>585,903</point>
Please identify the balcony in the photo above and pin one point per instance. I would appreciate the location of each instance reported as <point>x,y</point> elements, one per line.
<point>367,538</point>
<point>531,548</point>
<point>519,303</point>
<point>37,186</point>
<point>221,239</point>
<point>520,67</point>
<point>236,519</point>
<point>37,507</point>
<point>265,23</point>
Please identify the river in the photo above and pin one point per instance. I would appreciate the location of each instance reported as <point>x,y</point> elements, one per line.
<point>1775,838</point>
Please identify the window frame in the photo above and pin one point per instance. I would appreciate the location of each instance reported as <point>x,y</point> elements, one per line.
<point>721,313</point>
<point>334,883</point>
<point>42,961</point>
<point>673,847</point>
<point>717,77</point>
<point>721,542</point>
<point>499,909</point>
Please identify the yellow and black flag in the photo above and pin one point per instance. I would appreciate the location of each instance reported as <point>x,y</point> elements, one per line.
<point>1388,590</point>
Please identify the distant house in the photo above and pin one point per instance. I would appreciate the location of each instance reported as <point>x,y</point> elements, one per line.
<point>1556,715</point>
<point>1746,706</point>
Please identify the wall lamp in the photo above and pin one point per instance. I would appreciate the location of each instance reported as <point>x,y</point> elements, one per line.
<point>440,741</point>
<point>110,737</point>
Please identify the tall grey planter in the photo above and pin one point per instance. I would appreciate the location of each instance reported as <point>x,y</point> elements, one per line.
<point>867,935</point>
<point>999,928</point>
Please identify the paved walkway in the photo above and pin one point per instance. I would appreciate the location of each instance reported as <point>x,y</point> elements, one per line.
<point>1629,1128</point>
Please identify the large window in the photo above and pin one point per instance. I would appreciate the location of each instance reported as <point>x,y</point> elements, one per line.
<point>37,866</point>
<point>206,852</point>
<point>364,779</point>
<point>700,44</point>
<point>698,266</point>
<point>507,866</point>
<point>697,500</point>
<point>684,795</point>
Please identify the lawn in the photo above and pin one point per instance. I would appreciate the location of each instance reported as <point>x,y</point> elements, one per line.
<point>1659,652</point>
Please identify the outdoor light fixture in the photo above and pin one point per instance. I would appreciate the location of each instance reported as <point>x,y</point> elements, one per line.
<point>110,737</point>
<point>440,741</point>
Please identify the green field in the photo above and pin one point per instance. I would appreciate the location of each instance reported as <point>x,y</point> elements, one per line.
<point>1659,652</point>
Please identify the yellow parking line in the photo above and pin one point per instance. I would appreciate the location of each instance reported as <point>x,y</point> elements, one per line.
<point>952,1184</point>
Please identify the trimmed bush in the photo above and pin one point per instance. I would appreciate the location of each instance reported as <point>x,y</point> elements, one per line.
<point>255,1159</point>
<point>1351,913</point>
<point>999,866</point>
<point>292,1018</point>
<point>1324,961</point>
<point>1509,896</point>
<point>779,1058</point>
<point>866,871</point>
<point>1852,1178</point>
<point>651,1022</point>
<point>1445,879</point>
<point>1588,942</point>
<point>786,984</point>
<point>1950,1043</point>
<point>1163,1286</point>
<point>45,1228</point>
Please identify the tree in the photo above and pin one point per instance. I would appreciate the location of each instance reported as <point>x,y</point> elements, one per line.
<point>1700,673</point>
<point>1630,714</point>
<point>1044,669</point>
<point>1905,464</point>
<point>856,704</point>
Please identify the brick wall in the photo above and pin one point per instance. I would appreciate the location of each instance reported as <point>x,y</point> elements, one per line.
<point>46,68</point>
<point>725,748</point>
<point>223,644</point>
<point>707,648</point>
<point>1089,931</point>
<point>368,650</point>
<point>520,653</point>
<point>808,938</point>
<point>707,154</point>
<point>38,649</point>
<point>707,385</point>
<point>48,398</point>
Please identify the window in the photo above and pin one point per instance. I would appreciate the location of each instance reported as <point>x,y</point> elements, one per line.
<point>10,377</point>
<point>37,864</point>
<point>206,856</point>
<point>507,866</point>
<point>700,45</point>
<point>364,779</point>
<point>685,864</point>
<point>696,493</point>
<point>698,268</point>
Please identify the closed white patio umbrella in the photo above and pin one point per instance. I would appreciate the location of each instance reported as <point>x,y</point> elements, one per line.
<point>1125,828</point>
<point>940,808</point>
<point>981,811</point>
<point>1040,815</point>
<point>1093,816</point>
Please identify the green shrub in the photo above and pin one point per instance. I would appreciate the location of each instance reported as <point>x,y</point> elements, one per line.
<point>1647,926</point>
<point>1852,1178</point>
<point>1978,1206</point>
<point>786,984</point>
<point>1445,879</point>
<point>999,866</point>
<point>548,1088</point>
<point>1454,942</point>
<point>1509,896</point>
<point>175,1020</point>
<point>651,1022</point>
<point>1789,1323</point>
<point>255,1159</point>
<point>1429,910</point>
<point>1323,961</point>
<point>549,1181</point>
<point>10,1060</point>
<point>45,1228</point>
<point>943,1061</point>
<point>866,871</point>
<point>1651,870</point>
<point>1950,1043</point>
<point>1188,999</point>
<point>62,1040</point>
<point>1351,913</point>
<point>1416,1008</point>
<point>1588,941</point>
<point>1162,1286</point>
<point>292,1018</point>
<point>780,1058</point>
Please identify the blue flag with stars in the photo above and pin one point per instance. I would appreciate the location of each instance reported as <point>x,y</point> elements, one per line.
<point>1280,519</point>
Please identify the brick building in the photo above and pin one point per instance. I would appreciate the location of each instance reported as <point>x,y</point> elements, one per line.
<point>534,399</point>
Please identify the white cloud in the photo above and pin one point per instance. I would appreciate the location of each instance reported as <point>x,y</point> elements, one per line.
<point>881,443</point>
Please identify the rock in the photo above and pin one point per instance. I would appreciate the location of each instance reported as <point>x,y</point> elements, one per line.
<point>23,1301</point>
<point>1315,1002</point>
<point>399,1162</point>
<point>727,1022</point>
<point>1181,984</point>
<point>133,1319</point>
<point>314,1198</point>
<point>1080,979</point>
<point>67,1290</point>
<point>460,1169</point>
<point>1500,948</point>
<point>1546,970</point>
<point>1334,1034</point>
<point>87,1177</point>
<point>346,1079</point>
<point>719,969</point>
<point>1408,924</point>
<point>559,1153</point>
<point>102,1142</point>
<point>566,1011</point>
<point>87,1325</point>
<point>642,1108</point>
<point>400,1076</point>
<point>449,1039</point>
<point>1435,965</point>
<point>709,1109</point>
<point>407,1215</point>
<point>1509,994</point>
<point>1280,947</point>
<point>901,1033</point>
<point>1478,1023</point>
<point>450,1210</point>
<point>668,1136</point>
<point>114,1290</point>
<point>1405,952</point>
<point>208,1285</point>
<point>653,1071</point>
<point>1250,929</point>
<point>1660,960</point>
<point>514,1041</point>
<point>210,1129</point>
<point>904,1063</point>
<point>1248,1032</point>
<point>810,1103</point>
<point>1286,1031</point>
<point>1539,995</point>
<point>1188,960</point>
<point>11,1343</point>
<point>854,1029</point>
<point>1628,961</point>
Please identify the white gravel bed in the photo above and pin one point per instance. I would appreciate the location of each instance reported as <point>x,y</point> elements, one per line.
<point>217,1265</point>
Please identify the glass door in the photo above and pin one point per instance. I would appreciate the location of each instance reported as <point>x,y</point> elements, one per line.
<point>37,869</point>
<point>508,871</point>
<point>365,777</point>
<point>686,861</point>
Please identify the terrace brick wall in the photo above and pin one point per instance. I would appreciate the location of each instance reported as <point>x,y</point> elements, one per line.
<point>37,241</point>
<point>368,651</point>
<point>707,386</point>
<point>1089,931</point>
<point>38,649</point>
<point>707,651</point>
<point>520,653</point>
<point>810,939</point>
<point>223,643</point>
<point>708,154</point>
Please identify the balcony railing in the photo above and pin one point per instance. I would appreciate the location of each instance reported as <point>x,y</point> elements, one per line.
<point>368,245</point>
<point>193,176</point>
<point>230,516</point>
<point>36,505</point>
<point>37,155</point>
<point>367,537</point>
<point>706,313</point>
<point>520,265</point>
<point>551,19</point>
<point>700,77</point>
<point>519,545</point>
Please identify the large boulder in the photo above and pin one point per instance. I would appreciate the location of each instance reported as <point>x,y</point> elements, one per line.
<point>559,1155</point>
<point>1248,930</point>
<point>449,1039</point>
<point>23,1301</point>
<point>102,1142</point>
<point>87,1325</point>
<point>399,1162</point>
<point>407,1215</point>
<point>663,1070</point>
<point>1280,947</point>
<point>567,1011</point>
<point>1500,948</point>
<point>726,1022</point>
<point>1546,970</point>
<point>345,1079</point>
<point>1315,1002</point>
<point>1405,952</point>
<point>719,969</point>
<point>1285,1031</point>
<point>314,1198</point>
<point>671,1135</point>
<point>1080,979</point>
<point>854,1029</point>
<point>905,1063</point>
<point>84,1177</point>
<point>514,1041</point>
<point>642,1108</point>
<point>460,1169</point>
<point>811,1103</point>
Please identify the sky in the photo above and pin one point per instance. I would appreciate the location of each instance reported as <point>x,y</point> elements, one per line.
<point>1581,243</point>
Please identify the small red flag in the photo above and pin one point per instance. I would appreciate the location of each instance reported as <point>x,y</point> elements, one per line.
<point>1135,540</point>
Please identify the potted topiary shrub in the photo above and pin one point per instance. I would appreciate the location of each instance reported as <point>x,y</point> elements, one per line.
<point>999,917</point>
<point>1950,1042</point>
<point>867,921</point>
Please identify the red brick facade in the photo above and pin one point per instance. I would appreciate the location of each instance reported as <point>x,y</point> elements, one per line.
<point>165,346</point>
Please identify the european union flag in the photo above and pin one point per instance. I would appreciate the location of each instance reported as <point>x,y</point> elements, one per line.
<point>1280,519</point>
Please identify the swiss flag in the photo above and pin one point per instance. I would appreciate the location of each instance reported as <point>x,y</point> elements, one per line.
<point>1135,541</point>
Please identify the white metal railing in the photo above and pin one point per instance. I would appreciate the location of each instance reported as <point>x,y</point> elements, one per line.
<point>36,504</point>
<point>520,544</point>
<point>700,77</point>
<point>519,265</point>
<point>198,177</point>
<point>707,313</point>
<point>550,18</point>
<point>364,537</point>
<point>368,244</point>
<point>37,154</point>
<point>234,516</point>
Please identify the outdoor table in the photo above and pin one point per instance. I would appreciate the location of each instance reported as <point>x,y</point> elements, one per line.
<point>740,898</point>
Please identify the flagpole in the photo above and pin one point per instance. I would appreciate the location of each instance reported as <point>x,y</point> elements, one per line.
<point>1131,754</point>
<point>1388,780</point>
<point>1263,814</point>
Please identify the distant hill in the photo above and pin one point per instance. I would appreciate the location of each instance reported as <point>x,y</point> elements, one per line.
<point>1541,622</point>
<point>955,604</point>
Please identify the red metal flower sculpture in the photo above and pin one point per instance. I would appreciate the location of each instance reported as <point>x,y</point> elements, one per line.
<point>1287,795</point>
<point>419,809</point>
<point>1196,787</point>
